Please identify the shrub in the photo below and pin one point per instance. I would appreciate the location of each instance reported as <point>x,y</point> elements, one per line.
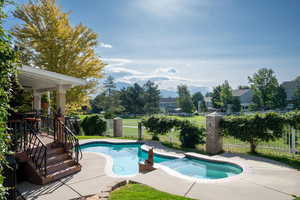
<point>254,128</point>
<point>93,125</point>
<point>293,119</point>
<point>190,135</point>
<point>159,125</point>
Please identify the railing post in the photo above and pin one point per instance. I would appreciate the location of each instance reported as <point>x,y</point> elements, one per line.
<point>45,161</point>
<point>54,129</point>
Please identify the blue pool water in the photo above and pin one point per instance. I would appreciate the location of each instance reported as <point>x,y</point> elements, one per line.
<point>126,157</point>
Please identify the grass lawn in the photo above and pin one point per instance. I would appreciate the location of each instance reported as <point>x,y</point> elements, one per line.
<point>142,192</point>
<point>195,119</point>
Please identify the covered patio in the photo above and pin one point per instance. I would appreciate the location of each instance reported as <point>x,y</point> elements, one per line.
<point>40,81</point>
<point>45,147</point>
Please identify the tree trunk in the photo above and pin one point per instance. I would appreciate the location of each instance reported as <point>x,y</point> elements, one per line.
<point>253,147</point>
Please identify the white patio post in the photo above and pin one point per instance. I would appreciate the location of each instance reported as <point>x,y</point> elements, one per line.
<point>61,99</point>
<point>61,102</point>
<point>36,100</point>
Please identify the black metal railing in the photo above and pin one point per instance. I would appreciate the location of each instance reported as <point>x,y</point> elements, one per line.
<point>25,139</point>
<point>67,138</point>
<point>47,125</point>
<point>36,149</point>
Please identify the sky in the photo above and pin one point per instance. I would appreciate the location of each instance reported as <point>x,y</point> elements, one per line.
<point>193,42</point>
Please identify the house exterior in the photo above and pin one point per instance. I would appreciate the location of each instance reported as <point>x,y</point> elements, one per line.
<point>245,97</point>
<point>168,105</point>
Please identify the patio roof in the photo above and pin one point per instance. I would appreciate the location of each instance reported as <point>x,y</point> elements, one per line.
<point>42,80</point>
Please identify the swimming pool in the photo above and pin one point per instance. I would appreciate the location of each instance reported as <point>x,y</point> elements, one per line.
<point>125,159</point>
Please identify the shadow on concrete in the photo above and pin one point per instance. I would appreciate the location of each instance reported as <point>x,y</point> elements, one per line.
<point>32,191</point>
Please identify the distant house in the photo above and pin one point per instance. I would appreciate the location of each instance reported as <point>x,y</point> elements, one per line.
<point>167,104</point>
<point>245,97</point>
<point>290,89</point>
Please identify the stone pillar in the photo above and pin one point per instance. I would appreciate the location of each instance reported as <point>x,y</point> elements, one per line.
<point>214,141</point>
<point>36,101</point>
<point>61,99</point>
<point>140,131</point>
<point>118,127</point>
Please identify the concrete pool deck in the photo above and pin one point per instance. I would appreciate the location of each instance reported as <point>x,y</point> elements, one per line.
<point>265,179</point>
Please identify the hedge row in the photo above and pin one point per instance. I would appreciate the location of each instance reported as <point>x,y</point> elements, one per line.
<point>190,134</point>
<point>256,128</point>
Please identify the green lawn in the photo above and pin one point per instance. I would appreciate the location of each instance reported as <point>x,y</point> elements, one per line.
<point>195,119</point>
<point>142,192</point>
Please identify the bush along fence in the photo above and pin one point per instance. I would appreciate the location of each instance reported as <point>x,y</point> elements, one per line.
<point>271,128</point>
<point>189,134</point>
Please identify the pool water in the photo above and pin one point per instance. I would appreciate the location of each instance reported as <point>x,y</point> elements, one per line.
<point>126,157</point>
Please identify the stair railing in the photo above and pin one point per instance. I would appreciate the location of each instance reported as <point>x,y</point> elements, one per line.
<point>36,150</point>
<point>25,139</point>
<point>65,137</point>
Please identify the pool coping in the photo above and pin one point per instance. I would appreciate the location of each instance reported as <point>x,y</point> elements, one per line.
<point>109,161</point>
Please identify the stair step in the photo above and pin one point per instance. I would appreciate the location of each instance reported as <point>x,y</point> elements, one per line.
<point>63,173</point>
<point>55,158</point>
<point>57,150</point>
<point>59,166</point>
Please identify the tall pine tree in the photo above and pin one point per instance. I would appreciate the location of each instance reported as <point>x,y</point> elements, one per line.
<point>151,98</point>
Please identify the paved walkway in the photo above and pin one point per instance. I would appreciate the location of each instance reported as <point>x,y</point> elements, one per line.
<point>264,180</point>
<point>90,180</point>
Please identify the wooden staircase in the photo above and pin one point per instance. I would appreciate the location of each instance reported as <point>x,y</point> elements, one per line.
<point>59,165</point>
<point>48,160</point>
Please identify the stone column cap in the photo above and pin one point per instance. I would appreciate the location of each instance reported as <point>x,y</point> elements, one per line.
<point>216,114</point>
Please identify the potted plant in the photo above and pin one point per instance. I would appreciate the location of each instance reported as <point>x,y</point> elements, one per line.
<point>44,102</point>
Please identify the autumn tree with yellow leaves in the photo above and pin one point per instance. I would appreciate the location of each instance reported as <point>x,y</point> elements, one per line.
<point>48,41</point>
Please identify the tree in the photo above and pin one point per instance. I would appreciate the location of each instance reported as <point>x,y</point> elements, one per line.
<point>280,98</point>
<point>296,99</point>
<point>225,95</point>
<point>50,42</point>
<point>184,99</point>
<point>236,104</point>
<point>222,96</point>
<point>265,87</point>
<point>109,85</point>
<point>8,65</point>
<point>197,98</point>
<point>254,128</point>
<point>151,98</point>
<point>109,100</point>
<point>243,87</point>
<point>215,97</point>
<point>132,99</point>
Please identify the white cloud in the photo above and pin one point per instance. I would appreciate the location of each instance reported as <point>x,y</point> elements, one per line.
<point>166,77</point>
<point>166,70</point>
<point>109,46</point>
<point>113,62</point>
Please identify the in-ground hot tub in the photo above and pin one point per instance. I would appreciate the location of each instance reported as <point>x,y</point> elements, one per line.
<point>126,156</point>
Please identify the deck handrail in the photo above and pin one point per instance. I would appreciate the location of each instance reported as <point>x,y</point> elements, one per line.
<point>29,142</point>
<point>68,139</point>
